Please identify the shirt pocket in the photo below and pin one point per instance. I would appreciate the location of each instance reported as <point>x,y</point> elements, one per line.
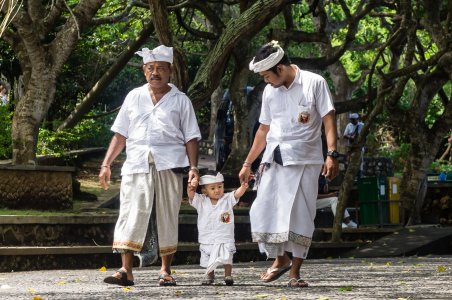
<point>304,114</point>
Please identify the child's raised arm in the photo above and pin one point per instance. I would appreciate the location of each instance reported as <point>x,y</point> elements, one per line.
<point>241,190</point>
<point>191,188</point>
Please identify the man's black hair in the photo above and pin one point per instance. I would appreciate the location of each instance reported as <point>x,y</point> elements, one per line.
<point>268,49</point>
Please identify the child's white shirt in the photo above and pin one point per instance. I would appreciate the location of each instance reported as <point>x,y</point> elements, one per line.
<point>215,222</point>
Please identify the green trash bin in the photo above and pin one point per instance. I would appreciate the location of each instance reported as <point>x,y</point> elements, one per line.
<point>373,200</point>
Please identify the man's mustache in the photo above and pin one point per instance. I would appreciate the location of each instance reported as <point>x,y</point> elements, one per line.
<point>155,78</point>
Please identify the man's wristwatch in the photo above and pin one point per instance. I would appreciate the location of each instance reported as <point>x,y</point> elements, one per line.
<point>333,153</point>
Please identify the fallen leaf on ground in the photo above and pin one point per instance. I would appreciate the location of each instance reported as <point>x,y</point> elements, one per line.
<point>103,269</point>
<point>441,269</point>
<point>346,289</point>
<point>126,289</point>
<point>30,290</point>
<point>261,296</point>
<point>178,292</point>
<point>61,282</point>
<point>37,298</point>
<point>388,264</point>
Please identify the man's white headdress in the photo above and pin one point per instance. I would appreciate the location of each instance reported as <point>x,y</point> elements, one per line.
<point>207,179</point>
<point>161,53</point>
<point>268,62</point>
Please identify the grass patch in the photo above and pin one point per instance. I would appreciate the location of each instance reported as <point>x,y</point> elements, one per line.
<point>75,210</point>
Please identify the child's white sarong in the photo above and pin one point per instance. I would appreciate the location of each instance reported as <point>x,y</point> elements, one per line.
<point>214,255</point>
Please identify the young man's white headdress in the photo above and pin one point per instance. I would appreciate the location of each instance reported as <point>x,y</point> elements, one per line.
<point>268,62</point>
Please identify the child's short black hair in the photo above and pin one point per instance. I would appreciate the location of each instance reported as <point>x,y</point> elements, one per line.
<point>209,172</point>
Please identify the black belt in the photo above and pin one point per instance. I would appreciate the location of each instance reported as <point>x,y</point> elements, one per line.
<point>277,156</point>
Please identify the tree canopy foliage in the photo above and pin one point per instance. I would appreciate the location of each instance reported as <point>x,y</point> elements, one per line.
<point>389,60</point>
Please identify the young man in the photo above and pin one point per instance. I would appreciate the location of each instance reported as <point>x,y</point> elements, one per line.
<point>157,124</point>
<point>294,105</point>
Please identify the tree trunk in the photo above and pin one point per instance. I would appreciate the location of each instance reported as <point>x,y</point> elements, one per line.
<point>215,101</point>
<point>163,29</point>
<point>238,94</point>
<point>353,167</point>
<point>42,51</point>
<point>28,114</point>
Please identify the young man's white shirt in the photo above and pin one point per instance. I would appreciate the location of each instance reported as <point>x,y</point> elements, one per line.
<point>299,143</point>
<point>163,129</point>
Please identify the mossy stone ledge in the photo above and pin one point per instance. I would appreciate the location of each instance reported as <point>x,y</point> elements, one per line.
<point>36,187</point>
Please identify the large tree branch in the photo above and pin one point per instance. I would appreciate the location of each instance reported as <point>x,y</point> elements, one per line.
<point>246,25</point>
<point>197,33</point>
<point>65,40</point>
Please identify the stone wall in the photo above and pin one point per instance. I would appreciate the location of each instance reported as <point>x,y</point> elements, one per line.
<point>36,187</point>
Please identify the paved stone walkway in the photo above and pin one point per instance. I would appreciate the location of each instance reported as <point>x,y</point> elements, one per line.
<point>348,278</point>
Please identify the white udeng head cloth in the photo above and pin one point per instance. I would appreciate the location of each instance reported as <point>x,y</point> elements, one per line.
<point>207,179</point>
<point>161,53</point>
<point>270,61</point>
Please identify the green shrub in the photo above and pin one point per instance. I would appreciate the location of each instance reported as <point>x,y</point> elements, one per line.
<point>87,133</point>
<point>5,133</point>
<point>398,156</point>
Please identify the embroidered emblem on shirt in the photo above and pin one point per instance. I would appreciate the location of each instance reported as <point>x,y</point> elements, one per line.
<point>303,117</point>
<point>225,217</point>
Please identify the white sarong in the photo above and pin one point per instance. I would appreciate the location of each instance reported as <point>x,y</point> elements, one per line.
<point>282,215</point>
<point>136,202</point>
<point>214,255</point>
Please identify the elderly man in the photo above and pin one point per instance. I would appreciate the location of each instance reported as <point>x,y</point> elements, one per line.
<point>294,105</point>
<point>158,127</point>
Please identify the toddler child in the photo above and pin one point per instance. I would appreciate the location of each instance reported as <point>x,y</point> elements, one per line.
<point>215,223</point>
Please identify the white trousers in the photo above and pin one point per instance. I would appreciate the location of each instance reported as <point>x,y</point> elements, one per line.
<point>330,202</point>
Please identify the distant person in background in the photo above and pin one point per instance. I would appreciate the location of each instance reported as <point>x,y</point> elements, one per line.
<point>325,198</point>
<point>351,132</point>
<point>353,129</point>
<point>3,95</point>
